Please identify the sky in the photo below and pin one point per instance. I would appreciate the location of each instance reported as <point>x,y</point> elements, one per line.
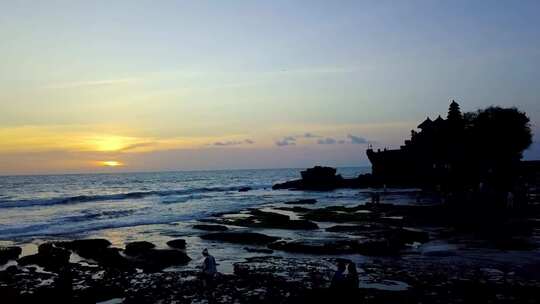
<point>110,86</point>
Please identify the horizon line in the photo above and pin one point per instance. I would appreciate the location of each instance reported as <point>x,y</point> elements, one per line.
<point>174,170</point>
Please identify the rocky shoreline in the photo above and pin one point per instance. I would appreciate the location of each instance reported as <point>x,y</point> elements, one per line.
<point>294,248</point>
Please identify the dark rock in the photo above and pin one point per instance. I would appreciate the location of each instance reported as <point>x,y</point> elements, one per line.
<point>269,216</point>
<point>178,244</point>
<point>297,209</point>
<point>211,227</point>
<point>300,224</point>
<point>111,258</point>
<point>49,257</point>
<point>439,253</point>
<point>98,250</point>
<point>316,178</point>
<point>240,237</point>
<point>12,269</point>
<point>294,184</point>
<point>514,243</point>
<point>370,246</point>
<point>100,293</point>
<point>33,259</point>
<point>86,246</point>
<point>265,219</point>
<point>9,253</point>
<point>311,273</point>
<point>289,224</point>
<point>258,250</point>
<point>314,246</point>
<point>355,228</point>
<point>158,259</point>
<point>337,215</point>
<point>136,248</point>
<point>377,247</point>
<point>146,257</point>
<point>410,235</point>
<point>245,189</point>
<point>319,179</point>
<point>275,220</point>
<point>308,201</point>
<point>255,222</point>
<point>318,173</point>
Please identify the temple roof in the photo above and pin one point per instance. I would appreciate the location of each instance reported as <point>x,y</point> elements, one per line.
<point>426,123</point>
<point>439,119</point>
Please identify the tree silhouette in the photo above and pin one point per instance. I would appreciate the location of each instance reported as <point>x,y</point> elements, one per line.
<point>500,133</point>
<point>496,139</point>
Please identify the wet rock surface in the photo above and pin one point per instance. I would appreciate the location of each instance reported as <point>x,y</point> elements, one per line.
<point>85,247</point>
<point>178,243</point>
<point>308,201</point>
<point>158,259</point>
<point>397,250</point>
<point>210,227</point>
<point>137,248</point>
<point>249,238</point>
<point>269,279</point>
<point>245,189</point>
<point>264,219</point>
<point>320,179</point>
<point>9,253</point>
<point>259,250</point>
<point>49,257</point>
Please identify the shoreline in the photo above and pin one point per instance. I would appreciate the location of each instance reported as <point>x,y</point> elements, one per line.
<point>397,248</point>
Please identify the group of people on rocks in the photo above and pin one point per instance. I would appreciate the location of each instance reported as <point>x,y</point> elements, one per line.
<point>345,277</point>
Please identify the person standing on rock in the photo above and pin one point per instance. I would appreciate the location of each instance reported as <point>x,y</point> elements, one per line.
<point>352,276</point>
<point>510,200</point>
<point>209,270</point>
<point>338,281</point>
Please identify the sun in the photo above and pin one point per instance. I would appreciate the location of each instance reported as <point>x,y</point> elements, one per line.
<point>111,163</point>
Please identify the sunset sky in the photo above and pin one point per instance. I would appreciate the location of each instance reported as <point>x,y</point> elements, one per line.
<point>107,86</point>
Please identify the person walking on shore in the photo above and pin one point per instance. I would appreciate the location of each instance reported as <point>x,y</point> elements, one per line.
<point>209,269</point>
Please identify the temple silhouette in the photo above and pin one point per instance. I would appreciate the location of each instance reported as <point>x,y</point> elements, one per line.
<point>432,153</point>
<point>473,151</point>
<point>464,153</point>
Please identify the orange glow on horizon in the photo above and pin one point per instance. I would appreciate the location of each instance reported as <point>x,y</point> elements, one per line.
<point>111,163</point>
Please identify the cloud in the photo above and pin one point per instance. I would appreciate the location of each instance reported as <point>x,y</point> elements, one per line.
<point>92,83</point>
<point>137,146</point>
<point>357,140</point>
<point>290,140</point>
<point>350,139</point>
<point>311,135</point>
<point>234,143</point>
<point>286,141</point>
<point>327,141</point>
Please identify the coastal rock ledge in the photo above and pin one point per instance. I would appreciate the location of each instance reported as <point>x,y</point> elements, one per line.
<point>321,178</point>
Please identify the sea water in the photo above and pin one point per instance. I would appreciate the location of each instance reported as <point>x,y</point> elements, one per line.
<point>63,205</point>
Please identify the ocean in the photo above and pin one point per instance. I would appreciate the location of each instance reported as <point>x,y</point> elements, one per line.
<point>159,207</point>
<point>70,205</point>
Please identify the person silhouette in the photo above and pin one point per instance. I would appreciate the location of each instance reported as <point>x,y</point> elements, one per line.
<point>352,276</point>
<point>209,270</point>
<point>338,280</point>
